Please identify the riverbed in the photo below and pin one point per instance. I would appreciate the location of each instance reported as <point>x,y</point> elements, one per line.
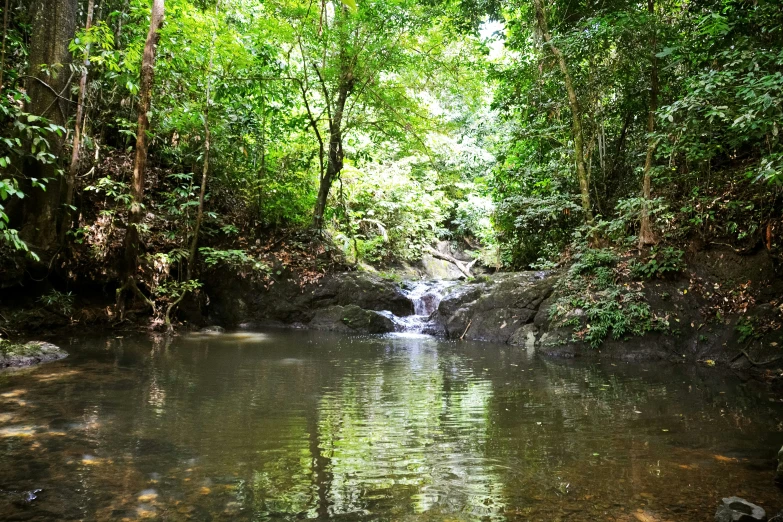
<point>290,425</point>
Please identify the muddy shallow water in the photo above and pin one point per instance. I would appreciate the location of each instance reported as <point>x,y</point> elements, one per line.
<point>296,425</point>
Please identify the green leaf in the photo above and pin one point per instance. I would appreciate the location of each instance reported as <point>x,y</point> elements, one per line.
<point>350,4</point>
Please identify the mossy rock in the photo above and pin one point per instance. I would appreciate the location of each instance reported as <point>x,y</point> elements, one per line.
<point>28,354</point>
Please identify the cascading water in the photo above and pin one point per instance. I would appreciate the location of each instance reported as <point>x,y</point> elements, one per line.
<point>425,296</point>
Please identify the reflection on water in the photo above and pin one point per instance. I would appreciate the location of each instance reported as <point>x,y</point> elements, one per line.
<point>292,425</point>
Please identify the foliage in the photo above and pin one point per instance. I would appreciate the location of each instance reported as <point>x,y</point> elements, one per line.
<point>660,263</point>
<point>61,301</point>
<point>390,213</point>
<point>593,299</point>
<point>747,329</point>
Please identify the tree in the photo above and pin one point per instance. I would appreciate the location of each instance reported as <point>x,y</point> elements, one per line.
<point>49,77</point>
<point>77,134</point>
<point>576,113</point>
<point>132,240</point>
<point>646,234</point>
<point>358,72</point>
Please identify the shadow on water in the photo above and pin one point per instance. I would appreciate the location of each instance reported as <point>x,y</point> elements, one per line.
<point>292,425</point>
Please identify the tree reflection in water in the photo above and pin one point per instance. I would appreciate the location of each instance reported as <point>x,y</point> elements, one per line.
<point>298,425</point>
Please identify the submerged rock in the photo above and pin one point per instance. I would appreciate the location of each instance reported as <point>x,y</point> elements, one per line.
<point>779,473</point>
<point>34,352</point>
<point>212,330</point>
<point>735,509</point>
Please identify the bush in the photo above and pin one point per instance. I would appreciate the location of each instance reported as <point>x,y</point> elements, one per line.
<point>592,299</point>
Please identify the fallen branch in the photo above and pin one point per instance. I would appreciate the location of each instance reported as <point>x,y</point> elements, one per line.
<point>456,262</point>
<point>752,362</point>
<point>461,337</point>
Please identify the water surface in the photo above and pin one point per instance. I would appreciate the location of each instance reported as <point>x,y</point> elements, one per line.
<point>303,425</point>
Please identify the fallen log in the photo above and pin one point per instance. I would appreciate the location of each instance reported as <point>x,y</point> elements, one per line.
<point>451,259</point>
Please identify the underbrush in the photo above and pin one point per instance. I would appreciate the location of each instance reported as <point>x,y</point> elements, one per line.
<point>601,294</point>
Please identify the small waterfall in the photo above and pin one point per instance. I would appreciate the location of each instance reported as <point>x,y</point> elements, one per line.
<point>425,296</point>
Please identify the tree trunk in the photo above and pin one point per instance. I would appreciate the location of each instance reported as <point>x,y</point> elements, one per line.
<point>77,136</point>
<point>576,114</point>
<point>2,54</point>
<point>132,238</point>
<point>335,109</point>
<point>53,27</point>
<point>205,168</point>
<point>646,233</point>
<point>336,154</point>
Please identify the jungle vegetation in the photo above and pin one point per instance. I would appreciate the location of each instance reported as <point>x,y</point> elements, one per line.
<point>143,142</point>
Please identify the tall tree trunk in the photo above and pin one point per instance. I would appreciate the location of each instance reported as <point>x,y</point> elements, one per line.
<point>2,54</point>
<point>132,241</point>
<point>77,136</point>
<point>53,27</point>
<point>205,168</point>
<point>646,233</point>
<point>576,114</point>
<point>336,154</point>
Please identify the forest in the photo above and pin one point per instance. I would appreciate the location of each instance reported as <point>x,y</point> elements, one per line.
<point>144,144</point>
<point>391,260</point>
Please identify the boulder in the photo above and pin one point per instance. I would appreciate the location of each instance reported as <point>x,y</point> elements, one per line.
<point>441,269</point>
<point>735,509</point>
<point>364,290</point>
<point>34,352</point>
<point>494,308</point>
<point>351,319</point>
<point>525,336</point>
<point>234,300</point>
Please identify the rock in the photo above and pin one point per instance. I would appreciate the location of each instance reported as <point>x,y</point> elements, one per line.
<point>735,509</point>
<point>351,319</point>
<point>34,352</point>
<point>493,308</point>
<point>779,473</point>
<point>439,268</point>
<point>212,330</point>
<point>235,300</point>
<point>525,336</point>
<point>364,290</point>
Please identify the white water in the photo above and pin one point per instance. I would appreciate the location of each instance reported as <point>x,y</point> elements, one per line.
<point>426,296</point>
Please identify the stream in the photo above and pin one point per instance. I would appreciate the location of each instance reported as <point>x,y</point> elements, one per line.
<point>425,296</point>
<point>290,425</point>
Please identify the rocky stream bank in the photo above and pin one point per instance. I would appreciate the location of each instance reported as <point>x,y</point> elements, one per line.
<point>515,308</point>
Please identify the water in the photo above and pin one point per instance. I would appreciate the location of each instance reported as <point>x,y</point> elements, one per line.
<point>425,296</point>
<point>298,425</point>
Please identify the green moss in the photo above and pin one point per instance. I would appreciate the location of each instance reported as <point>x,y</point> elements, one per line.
<point>8,348</point>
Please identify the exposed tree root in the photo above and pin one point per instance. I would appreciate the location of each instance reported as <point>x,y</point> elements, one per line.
<point>755,363</point>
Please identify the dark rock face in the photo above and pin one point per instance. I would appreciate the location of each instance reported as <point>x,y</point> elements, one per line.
<point>364,290</point>
<point>494,309</point>
<point>30,354</point>
<point>735,509</point>
<point>322,306</point>
<point>350,319</point>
